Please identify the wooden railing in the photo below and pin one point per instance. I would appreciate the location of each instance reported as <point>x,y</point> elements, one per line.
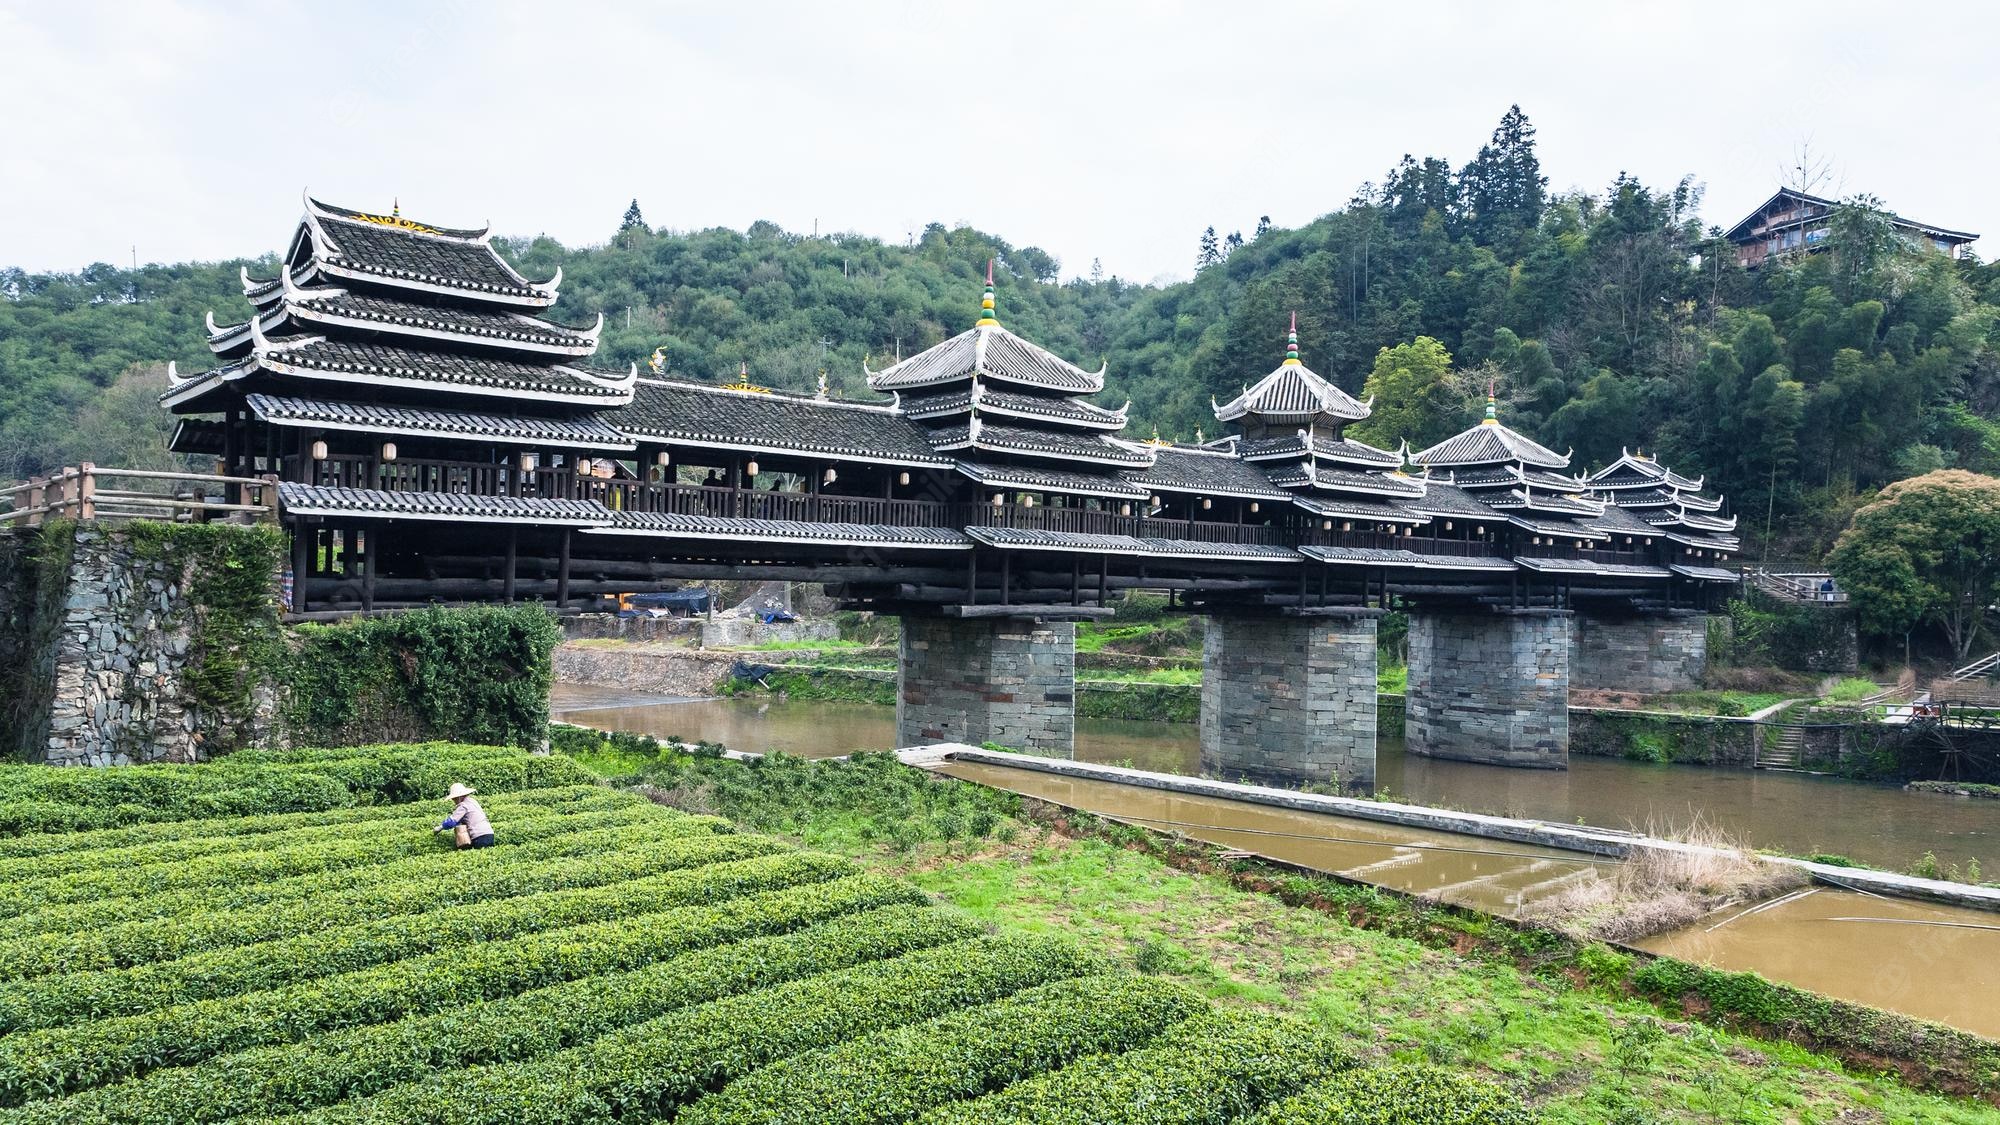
<point>80,492</point>
<point>1795,587</point>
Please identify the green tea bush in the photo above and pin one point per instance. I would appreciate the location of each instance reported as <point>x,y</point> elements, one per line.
<point>363,1060</point>
<point>649,1069</point>
<point>1211,1069</point>
<point>725,868</point>
<point>892,1075</point>
<point>1399,1095</point>
<point>57,1060</point>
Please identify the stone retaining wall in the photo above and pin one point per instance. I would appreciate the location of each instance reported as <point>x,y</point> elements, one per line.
<point>644,669</point>
<point>1653,654</point>
<point>98,647</point>
<point>1290,699</point>
<point>1004,680</point>
<point>1490,687</point>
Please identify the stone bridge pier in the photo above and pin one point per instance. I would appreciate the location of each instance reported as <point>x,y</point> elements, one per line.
<point>1653,653</point>
<point>1490,685</point>
<point>1290,699</point>
<point>1006,680</point>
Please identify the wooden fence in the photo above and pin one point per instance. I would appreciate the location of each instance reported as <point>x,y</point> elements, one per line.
<point>87,492</point>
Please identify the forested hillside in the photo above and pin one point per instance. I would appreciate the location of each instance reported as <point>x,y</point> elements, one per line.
<point>1608,319</point>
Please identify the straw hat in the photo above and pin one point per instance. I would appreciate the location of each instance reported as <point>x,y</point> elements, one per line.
<point>459,789</point>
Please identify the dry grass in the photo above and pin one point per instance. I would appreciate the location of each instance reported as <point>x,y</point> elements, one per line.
<point>1661,889</point>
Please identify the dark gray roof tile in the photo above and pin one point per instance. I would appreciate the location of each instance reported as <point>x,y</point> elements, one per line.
<point>703,415</point>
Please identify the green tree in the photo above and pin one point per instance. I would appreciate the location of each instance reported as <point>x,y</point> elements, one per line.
<point>633,219</point>
<point>1411,385</point>
<point>1927,549</point>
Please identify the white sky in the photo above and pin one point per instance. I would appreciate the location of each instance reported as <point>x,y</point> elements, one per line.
<point>1094,130</point>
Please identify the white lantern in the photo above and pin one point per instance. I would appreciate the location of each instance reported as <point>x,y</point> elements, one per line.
<point>830,477</point>
<point>1447,525</point>
<point>1125,509</point>
<point>388,451</point>
<point>750,469</point>
<point>1027,501</point>
<point>1538,540</point>
<point>528,462</point>
<point>1579,544</point>
<point>319,451</point>
<point>1206,503</point>
<point>1253,507</point>
<point>1347,526</point>
<point>998,499</point>
<point>660,458</point>
<point>1326,525</point>
<point>1153,500</point>
<point>903,478</point>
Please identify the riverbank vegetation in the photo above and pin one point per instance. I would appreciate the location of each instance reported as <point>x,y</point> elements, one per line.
<point>1657,890</point>
<point>608,959</point>
<point>1577,1032</point>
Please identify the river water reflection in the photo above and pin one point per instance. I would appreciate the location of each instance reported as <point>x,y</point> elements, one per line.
<point>1881,826</point>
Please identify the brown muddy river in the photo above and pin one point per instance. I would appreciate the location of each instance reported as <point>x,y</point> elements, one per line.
<point>1878,825</point>
<point>1934,962</point>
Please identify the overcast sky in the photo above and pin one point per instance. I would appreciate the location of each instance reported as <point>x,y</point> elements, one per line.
<point>1111,131</point>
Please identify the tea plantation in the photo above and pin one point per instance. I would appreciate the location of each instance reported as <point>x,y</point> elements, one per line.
<point>279,936</point>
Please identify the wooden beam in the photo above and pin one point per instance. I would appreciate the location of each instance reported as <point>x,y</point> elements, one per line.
<point>1044,612</point>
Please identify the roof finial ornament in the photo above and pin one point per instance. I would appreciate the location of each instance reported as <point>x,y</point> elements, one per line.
<point>658,364</point>
<point>395,207</point>
<point>822,383</point>
<point>986,319</point>
<point>1492,410</point>
<point>1292,343</point>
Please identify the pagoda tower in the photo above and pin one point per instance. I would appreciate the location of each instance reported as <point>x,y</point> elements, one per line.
<point>1673,506</point>
<point>1522,480</point>
<point>398,371</point>
<point>1015,415</point>
<point>1293,421</point>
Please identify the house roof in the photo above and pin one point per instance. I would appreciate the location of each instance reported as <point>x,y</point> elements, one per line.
<point>990,352</point>
<point>1176,469</point>
<point>1741,232</point>
<point>731,529</point>
<point>329,308</point>
<point>1043,477</point>
<point>589,430</point>
<point>392,251</point>
<point>1059,445</point>
<point>375,365</point>
<point>1334,449</point>
<point>1292,393</point>
<point>699,414</point>
<point>311,500</point>
<point>1489,443</point>
<point>1054,410</point>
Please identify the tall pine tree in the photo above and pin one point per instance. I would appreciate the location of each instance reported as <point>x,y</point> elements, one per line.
<point>1502,191</point>
<point>632,219</point>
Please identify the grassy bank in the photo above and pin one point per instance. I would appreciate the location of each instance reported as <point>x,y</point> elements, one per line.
<point>1580,1033</point>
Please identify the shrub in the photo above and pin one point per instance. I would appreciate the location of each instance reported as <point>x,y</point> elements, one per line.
<point>649,1069</point>
<point>57,1060</point>
<point>364,1060</point>
<point>1210,1069</point>
<point>1398,1095</point>
<point>892,1075</point>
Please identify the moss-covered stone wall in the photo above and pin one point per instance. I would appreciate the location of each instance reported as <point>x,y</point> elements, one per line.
<point>149,642</point>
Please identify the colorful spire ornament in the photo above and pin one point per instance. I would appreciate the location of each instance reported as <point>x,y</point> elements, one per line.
<point>986,319</point>
<point>1492,411</point>
<point>1292,343</point>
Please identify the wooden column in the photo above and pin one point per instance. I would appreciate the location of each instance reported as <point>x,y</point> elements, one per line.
<point>369,539</point>
<point>562,572</point>
<point>513,559</point>
<point>302,552</point>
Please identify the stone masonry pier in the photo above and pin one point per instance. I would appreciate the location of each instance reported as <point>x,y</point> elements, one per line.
<point>1290,699</point>
<point>1490,686</point>
<point>1005,680</point>
<point>1649,653</point>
